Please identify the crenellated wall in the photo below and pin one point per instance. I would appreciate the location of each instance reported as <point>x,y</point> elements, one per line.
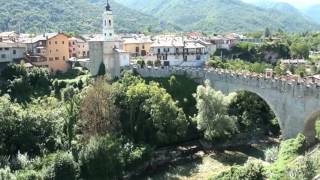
<point>296,105</point>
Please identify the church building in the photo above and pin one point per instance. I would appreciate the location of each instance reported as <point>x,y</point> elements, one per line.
<point>107,48</point>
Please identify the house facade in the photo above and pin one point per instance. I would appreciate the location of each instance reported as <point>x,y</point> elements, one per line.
<point>175,51</point>
<point>78,47</point>
<point>50,51</point>
<point>137,46</point>
<point>9,52</point>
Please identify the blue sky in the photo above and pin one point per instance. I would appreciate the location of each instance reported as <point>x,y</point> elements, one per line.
<point>298,3</point>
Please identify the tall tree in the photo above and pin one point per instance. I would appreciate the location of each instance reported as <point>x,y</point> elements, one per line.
<point>213,118</point>
<point>98,113</point>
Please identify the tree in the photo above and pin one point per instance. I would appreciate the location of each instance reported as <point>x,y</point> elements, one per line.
<point>13,71</point>
<point>212,117</point>
<point>300,50</point>
<point>101,159</point>
<point>98,113</point>
<point>102,70</point>
<point>267,33</point>
<point>149,114</point>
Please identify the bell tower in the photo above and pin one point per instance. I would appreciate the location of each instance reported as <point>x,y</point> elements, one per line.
<point>108,31</point>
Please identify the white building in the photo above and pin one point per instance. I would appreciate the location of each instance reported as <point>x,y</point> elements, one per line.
<point>107,49</point>
<point>176,51</point>
<point>11,51</point>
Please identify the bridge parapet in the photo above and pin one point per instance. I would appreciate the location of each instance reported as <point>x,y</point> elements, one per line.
<point>301,89</point>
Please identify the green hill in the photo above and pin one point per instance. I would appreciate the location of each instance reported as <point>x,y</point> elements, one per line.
<point>72,16</point>
<point>221,15</point>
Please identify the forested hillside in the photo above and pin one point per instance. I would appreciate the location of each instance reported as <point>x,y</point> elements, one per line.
<point>221,15</point>
<point>71,16</point>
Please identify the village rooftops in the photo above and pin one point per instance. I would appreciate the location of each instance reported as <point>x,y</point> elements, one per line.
<point>137,40</point>
<point>11,45</point>
<point>100,37</point>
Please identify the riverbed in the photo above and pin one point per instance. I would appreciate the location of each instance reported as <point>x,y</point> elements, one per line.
<point>209,164</point>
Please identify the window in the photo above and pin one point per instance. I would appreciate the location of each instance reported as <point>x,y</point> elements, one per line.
<point>50,51</point>
<point>142,46</point>
<point>110,34</point>
<point>64,58</point>
<point>50,42</point>
<point>51,59</point>
<point>6,49</point>
<point>56,58</point>
<point>62,42</point>
<point>14,52</point>
<point>198,57</point>
<point>56,42</point>
<point>38,51</point>
<point>105,22</point>
<point>105,34</point>
<point>3,56</point>
<point>109,22</point>
<point>73,43</point>
<point>159,50</point>
<point>74,49</point>
<point>0,49</point>
<point>57,50</point>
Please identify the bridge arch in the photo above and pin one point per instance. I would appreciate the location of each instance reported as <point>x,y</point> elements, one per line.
<point>263,96</point>
<point>310,126</point>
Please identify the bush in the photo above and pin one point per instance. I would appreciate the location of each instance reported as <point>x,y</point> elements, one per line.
<point>63,168</point>
<point>150,63</point>
<point>5,174</point>
<point>271,154</point>
<point>26,129</point>
<point>107,157</point>
<point>29,175</point>
<point>100,159</point>
<point>13,71</point>
<point>303,168</point>
<point>250,171</point>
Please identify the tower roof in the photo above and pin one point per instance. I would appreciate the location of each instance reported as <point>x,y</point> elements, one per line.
<point>108,7</point>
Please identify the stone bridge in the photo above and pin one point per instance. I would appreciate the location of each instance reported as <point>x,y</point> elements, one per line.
<point>296,105</point>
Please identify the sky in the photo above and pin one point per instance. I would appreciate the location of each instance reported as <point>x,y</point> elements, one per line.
<point>297,3</point>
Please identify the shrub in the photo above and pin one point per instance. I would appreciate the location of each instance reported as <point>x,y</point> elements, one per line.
<point>149,63</point>
<point>271,154</point>
<point>29,175</point>
<point>63,168</point>
<point>100,159</point>
<point>14,71</point>
<point>102,69</point>
<point>5,174</point>
<point>303,168</point>
<point>250,171</point>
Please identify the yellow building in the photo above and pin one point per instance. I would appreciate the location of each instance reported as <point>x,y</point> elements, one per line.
<point>49,50</point>
<point>137,46</point>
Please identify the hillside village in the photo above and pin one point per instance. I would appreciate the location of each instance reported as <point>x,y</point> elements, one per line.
<point>59,52</point>
<point>159,105</point>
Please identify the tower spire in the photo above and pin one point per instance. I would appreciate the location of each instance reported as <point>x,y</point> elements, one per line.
<point>108,7</point>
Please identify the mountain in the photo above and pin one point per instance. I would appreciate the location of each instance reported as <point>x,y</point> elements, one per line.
<point>223,15</point>
<point>313,12</point>
<point>72,16</point>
